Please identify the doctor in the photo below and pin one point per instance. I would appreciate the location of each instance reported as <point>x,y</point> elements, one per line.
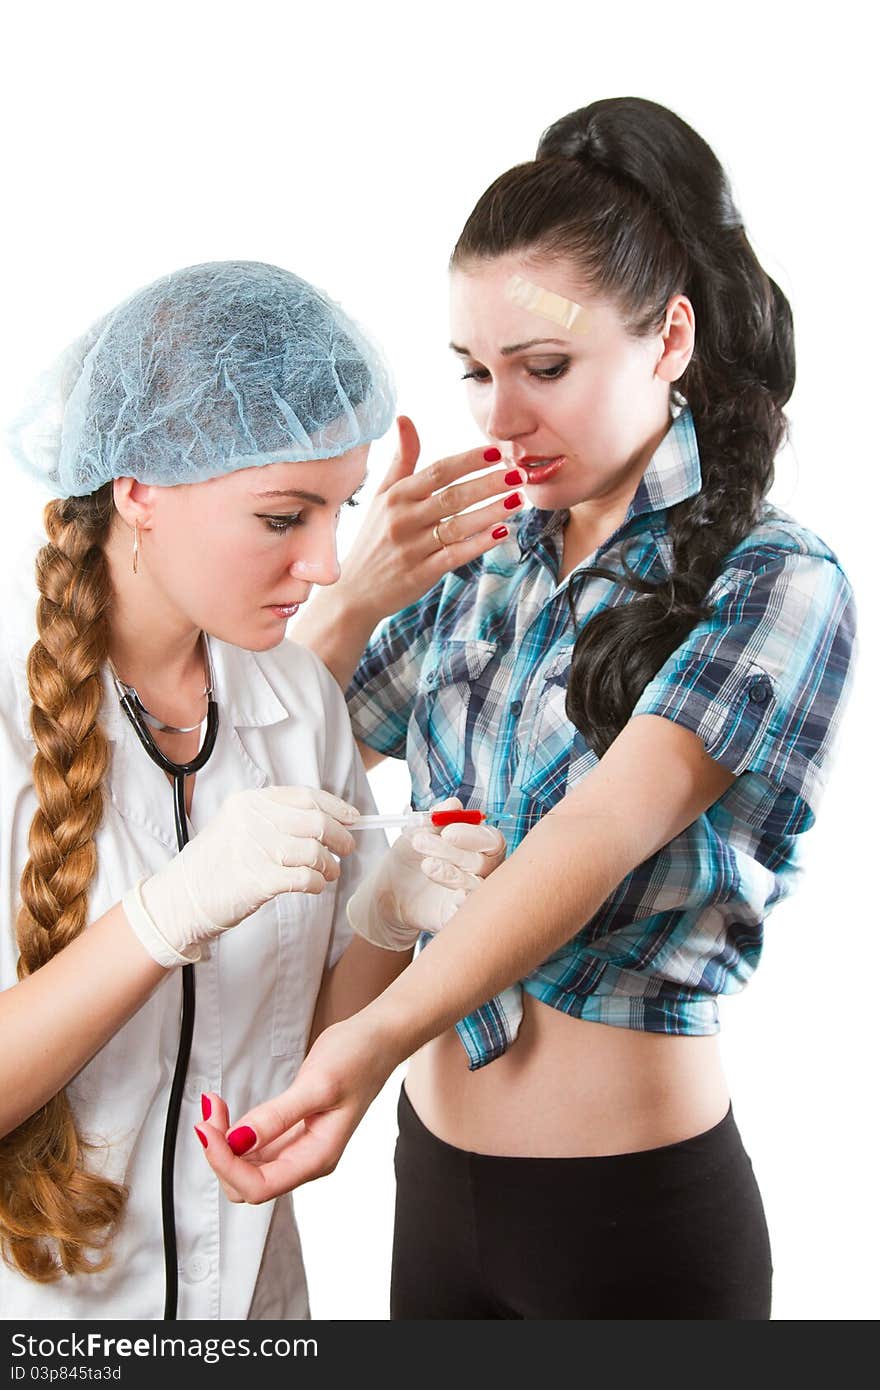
<point>200,442</point>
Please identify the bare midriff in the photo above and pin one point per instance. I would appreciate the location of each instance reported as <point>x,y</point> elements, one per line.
<point>569,1088</point>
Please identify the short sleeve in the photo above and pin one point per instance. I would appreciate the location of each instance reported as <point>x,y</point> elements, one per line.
<point>383,689</point>
<point>763,680</point>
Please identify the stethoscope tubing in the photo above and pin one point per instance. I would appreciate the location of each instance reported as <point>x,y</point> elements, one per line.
<point>178,773</point>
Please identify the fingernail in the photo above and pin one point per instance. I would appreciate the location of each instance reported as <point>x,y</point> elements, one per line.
<point>206,1108</point>
<point>201,1136</point>
<point>513,478</point>
<point>497,535</point>
<point>492,455</point>
<point>514,500</point>
<point>241,1139</point>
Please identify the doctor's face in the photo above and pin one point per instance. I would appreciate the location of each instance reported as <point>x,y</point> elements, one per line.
<point>239,554</point>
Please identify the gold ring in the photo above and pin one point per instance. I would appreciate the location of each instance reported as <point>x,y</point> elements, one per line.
<point>437,537</point>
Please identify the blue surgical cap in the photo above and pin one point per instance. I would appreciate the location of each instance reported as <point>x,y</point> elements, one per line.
<point>213,368</point>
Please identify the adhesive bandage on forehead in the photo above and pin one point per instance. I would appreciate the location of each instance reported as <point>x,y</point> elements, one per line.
<point>547,304</point>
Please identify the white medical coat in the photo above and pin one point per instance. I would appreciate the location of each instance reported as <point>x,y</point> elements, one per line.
<point>283,721</point>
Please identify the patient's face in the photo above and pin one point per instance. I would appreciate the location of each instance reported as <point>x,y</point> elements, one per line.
<point>580,411</point>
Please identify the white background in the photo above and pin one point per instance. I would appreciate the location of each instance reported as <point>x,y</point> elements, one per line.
<point>348,143</point>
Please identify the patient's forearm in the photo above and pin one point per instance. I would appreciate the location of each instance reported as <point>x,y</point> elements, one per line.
<point>653,782</point>
<point>361,973</point>
<point>504,929</point>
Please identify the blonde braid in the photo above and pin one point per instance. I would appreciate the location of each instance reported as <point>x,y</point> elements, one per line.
<point>56,1216</point>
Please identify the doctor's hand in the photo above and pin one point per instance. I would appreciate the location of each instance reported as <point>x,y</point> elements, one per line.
<point>416,528</point>
<point>423,880</point>
<point>300,1134</point>
<point>259,844</point>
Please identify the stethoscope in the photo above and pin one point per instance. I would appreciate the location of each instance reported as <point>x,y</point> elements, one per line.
<point>140,718</point>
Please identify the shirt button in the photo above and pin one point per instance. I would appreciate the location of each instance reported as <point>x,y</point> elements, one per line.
<point>760,692</point>
<point>196,1269</point>
<point>516,707</point>
<point>195,1087</point>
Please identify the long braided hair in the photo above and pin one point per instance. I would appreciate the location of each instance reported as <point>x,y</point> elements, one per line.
<point>638,202</point>
<point>55,1216</point>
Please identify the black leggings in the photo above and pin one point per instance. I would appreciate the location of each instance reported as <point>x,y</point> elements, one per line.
<point>676,1232</point>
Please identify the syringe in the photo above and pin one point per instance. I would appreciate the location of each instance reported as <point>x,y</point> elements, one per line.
<point>436,820</point>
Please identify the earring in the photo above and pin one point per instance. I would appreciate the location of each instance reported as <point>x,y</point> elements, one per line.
<point>135,548</point>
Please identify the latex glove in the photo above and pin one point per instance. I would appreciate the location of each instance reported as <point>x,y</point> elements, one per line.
<point>422,881</point>
<point>260,843</point>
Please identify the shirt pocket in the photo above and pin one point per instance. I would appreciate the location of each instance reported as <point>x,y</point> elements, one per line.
<point>556,754</point>
<point>303,925</point>
<point>454,688</point>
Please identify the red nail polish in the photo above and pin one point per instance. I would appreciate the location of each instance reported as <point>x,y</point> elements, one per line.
<point>492,455</point>
<point>241,1139</point>
<point>206,1108</point>
<point>512,479</point>
<point>512,501</point>
<point>201,1136</point>
<point>499,533</point>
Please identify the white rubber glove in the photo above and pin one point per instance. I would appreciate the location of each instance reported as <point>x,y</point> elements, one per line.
<point>422,881</point>
<point>259,844</point>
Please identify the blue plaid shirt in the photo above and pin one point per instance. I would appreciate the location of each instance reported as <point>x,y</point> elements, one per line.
<point>469,686</point>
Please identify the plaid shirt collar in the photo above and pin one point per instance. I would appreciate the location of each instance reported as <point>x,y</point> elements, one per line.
<point>672,475</point>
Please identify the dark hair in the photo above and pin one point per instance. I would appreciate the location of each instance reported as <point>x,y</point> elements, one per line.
<point>640,204</point>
